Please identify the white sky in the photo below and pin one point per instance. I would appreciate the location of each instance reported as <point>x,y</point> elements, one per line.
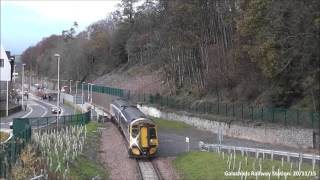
<point>84,12</point>
<point>25,22</point>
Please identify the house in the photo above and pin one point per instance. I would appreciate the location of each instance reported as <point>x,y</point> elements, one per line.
<point>5,66</point>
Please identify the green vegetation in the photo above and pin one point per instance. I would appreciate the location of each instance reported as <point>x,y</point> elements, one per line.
<point>209,165</point>
<point>63,162</point>
<point>3,136</point>
<point>84,168</point>
<point>92,128</point>
<point>167,124</point>
<point>71,105</point>
<point>87,165</point>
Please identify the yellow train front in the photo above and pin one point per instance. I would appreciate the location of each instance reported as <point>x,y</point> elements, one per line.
<point>139,130</point>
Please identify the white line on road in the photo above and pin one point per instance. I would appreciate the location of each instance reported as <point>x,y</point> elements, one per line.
<point>51,105</point>
<point>45,110</point>
<point>26,115</point>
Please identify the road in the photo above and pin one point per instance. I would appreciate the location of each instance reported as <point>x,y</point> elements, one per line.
<point>35,108</point>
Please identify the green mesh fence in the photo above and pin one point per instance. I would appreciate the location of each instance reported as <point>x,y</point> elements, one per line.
<point>22,130</point>
<point>240,112</point>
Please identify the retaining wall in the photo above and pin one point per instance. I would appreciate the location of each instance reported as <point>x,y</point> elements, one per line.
<point>288,136</point>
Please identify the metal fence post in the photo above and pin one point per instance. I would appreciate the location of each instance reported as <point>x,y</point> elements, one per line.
<point>233,113</point>
<point>312,119</point>
<point>242,111</point>
<point>298,113</point>
<point>252,113</point>
<point>167,101</point>
<point>285,118</point>
<point>226,109</point>
<point>272,115</point>
<point>262,113</point>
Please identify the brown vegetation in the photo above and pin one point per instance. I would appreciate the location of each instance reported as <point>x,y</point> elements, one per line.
<point>261,51</point>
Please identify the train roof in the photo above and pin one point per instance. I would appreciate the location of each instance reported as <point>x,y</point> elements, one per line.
<point>120,103</point>
<point>132,113</point>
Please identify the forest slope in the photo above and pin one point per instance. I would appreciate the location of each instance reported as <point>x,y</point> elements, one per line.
<point>255,51</point>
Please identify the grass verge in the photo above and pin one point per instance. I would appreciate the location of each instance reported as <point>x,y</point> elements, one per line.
<point>209,165</point>
<point>71,105</point>
<point>87,165</point>
<point>167,124</point>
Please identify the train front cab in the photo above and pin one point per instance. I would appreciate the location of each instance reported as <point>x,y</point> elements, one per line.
<point>143,139</point>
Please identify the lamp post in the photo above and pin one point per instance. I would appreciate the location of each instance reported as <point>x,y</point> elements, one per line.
<point>22,82</point>
<point>82,96</point>
<point>70,89</point>
<point>58,95</point>
<point>14,70</point>
<point>77,87</point>
<point>91,93</point>
<point>88,92</point>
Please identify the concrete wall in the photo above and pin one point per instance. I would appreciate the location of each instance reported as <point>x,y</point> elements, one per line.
<point>288,136</point>
<point>66,97</point>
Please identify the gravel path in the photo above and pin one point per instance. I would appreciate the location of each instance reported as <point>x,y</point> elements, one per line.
<point>166,168</point>
<point>114,155</point>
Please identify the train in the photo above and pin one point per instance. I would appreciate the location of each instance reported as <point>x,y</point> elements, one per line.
<point>139,131</point>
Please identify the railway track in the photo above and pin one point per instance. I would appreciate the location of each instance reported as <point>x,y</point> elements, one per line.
<point>148,170</point>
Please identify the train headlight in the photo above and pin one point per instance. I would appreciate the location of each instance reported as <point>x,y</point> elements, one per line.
<point>152,150</point>
<point>153,142</point>
<point>135,151</point>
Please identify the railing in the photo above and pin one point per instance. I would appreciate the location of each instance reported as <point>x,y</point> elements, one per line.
<point>264,153</point>
<point>22,130</point>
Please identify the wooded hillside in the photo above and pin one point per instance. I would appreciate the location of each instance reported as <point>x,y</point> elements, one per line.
<point>258,51</point>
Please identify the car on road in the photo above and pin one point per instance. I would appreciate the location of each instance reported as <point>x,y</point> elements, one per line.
<point>25,92</point>
<point>65,89</point>
<point>55,110</point>
<point>11,125</point>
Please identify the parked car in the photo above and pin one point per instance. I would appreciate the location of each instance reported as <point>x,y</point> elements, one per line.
<point>65,89</point>
<point>11,125</point>
<point>55,110</point>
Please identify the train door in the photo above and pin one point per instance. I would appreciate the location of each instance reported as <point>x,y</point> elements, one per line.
<point>144,137</point>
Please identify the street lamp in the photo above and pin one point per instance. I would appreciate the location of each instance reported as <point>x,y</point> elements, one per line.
<point>58,95</point>
<point>14,73</point>
<point>22,82</point>
<point>77,88</point>
<point>91,93</point>
<point>88,92</point>
<point>70,92</point>
<point>82,96</point>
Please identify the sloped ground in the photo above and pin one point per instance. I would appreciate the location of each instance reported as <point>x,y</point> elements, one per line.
<point>138,78</point>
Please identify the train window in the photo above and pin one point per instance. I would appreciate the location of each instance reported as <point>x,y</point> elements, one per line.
<point>152,133</point>
<point>135,132</point>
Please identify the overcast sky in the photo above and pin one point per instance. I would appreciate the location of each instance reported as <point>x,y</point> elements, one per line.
<point>24,23</point>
